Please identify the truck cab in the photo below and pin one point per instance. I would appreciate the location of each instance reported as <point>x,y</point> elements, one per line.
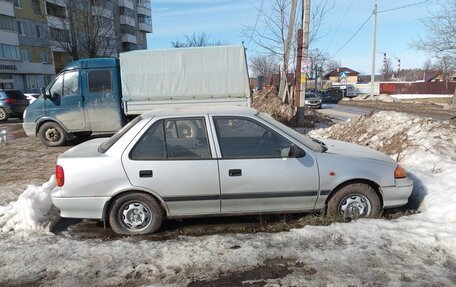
<point>85,97</point>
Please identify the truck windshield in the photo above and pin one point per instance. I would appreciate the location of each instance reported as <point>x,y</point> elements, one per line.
<point>112,140</point>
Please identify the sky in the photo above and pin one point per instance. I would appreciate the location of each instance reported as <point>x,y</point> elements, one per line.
<point>225,20</point>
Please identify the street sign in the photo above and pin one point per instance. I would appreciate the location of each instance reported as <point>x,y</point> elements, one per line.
<point>305,66</point>
<point>343,82</point>
<point>303,78</point>
<point>343,74</point>
<point>343,87</point>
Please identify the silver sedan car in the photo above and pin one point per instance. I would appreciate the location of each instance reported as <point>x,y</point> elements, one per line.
<point>175,163</point>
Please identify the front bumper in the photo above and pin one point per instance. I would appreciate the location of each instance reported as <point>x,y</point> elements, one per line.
<point>398,195</point>
<point>29,128</point>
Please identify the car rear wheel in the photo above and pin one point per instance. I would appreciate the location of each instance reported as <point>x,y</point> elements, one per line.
<point>135,213</point>
<point>3,115</point>
<point>355,200</point>
<point>52,134</point>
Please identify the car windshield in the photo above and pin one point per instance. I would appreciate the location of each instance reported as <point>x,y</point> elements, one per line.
<point>303,138</point>
<point>311,96</point>
<point>112,140</point>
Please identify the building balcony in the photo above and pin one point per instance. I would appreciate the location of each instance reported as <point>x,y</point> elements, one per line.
<point>129,38</point>
<point>102,11</point>
<point>127,3</point>
<point>146,27</point>
<point>123,19</point>
<point>9,38</point>
<point>144,10</point>
<point>6,8</point>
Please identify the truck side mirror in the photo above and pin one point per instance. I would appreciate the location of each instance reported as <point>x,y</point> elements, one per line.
<point>44,93</point>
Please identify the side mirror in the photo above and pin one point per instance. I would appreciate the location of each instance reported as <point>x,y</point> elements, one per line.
<point>293,151</point>
<point>44,93</point>
<point>296,151</point>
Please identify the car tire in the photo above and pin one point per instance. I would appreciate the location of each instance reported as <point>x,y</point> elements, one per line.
<point>3,115</point>
<point>355,200</point>
<point>52,134</point>
<point>135,213</point>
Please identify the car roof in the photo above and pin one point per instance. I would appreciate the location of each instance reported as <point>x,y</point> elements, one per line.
<point>201,110</point>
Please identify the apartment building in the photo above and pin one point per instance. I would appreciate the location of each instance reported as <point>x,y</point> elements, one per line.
<point>25,57</point>
<point>33,35</point>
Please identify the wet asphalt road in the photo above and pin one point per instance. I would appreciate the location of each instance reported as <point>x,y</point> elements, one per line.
<point>343,113</point>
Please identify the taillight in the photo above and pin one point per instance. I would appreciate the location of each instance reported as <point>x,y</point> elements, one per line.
<point>10,101</point>
<point>400,172</point>
<point>59,176</point>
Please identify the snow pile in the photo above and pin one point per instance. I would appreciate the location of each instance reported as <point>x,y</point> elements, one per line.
<point>398,135</point>
<point>381,97</point>
<point>415,250</point>
<point>32,211</point>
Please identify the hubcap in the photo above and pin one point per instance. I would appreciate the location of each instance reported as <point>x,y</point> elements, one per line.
<point>136,216</point>
<point>52,135</point>
<point>2,114</point>
<point>355,206</point>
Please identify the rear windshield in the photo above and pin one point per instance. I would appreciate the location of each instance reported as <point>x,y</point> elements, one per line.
<point>112,140</point>
<point>18,95</point>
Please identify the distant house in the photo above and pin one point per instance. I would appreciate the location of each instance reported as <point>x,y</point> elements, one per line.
<point>336,75</point>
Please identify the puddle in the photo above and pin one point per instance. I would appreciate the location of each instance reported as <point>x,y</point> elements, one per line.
<point>9,132</point>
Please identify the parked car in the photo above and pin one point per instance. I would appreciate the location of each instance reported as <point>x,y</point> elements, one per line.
<point>32,97</point>
<point>313,100</point>
<point>331,96</point>
<point>12,104</point>
<point>190,162</point>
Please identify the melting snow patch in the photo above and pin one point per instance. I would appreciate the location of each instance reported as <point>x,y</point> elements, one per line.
<point>32,211</point>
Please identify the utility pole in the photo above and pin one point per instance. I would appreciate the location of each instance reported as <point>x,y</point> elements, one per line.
<point>374,40</point>
<point>305,55</point>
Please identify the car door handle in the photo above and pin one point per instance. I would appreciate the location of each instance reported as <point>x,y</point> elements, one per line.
<point>145,173</point>
<point>235,172</point>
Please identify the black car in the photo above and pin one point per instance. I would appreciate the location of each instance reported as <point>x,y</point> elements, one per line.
<point>12,104</point>
<point>331,96</point>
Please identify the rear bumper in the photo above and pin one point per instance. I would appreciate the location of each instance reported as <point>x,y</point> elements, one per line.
<point>80,207</point>
<point>394,196</point>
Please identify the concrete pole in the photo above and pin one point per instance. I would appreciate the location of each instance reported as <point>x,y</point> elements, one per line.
<point>374,40</point>
<point>305,56</point>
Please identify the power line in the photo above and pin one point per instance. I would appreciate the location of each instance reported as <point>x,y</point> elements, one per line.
<point>354,34</point>
<point>405,6</point>
<point>340,23</point>
<point>256,23</point>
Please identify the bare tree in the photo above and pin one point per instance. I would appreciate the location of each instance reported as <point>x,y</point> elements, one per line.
<point>440,40</point>
<point>279,30</point>
<point>331,65</point>
<point>196,40</point>
<point>388,71</point>
<point>264,65</point>
<point>428,65</point>
<point>83,28</point>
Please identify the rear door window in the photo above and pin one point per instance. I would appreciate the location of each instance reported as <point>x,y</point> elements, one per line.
<point>173,139</point>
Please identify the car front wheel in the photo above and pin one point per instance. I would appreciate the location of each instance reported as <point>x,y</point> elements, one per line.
<point>355,200</point>
<point>52,134</point>
<point>135,213</point>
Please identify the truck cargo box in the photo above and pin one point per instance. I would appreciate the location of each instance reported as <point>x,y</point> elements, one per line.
<point>184,76</point>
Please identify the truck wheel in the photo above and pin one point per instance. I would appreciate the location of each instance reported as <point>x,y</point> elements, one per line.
<point>135,213</point>
<point>356,200</point>
<point>52,134</point>
<point>3,115</point>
